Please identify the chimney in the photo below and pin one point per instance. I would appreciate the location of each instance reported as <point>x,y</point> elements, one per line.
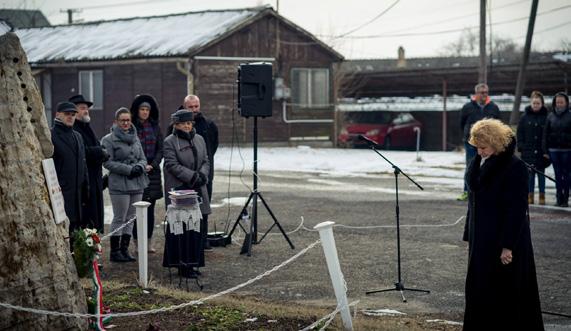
<point>401,62</point>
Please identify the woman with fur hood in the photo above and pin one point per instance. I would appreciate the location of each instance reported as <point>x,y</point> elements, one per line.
<point>145,114</point>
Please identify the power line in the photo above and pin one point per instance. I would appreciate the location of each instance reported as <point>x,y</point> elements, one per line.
<point>369,22</point>
<point>411,34</point>
<point>448,20</point>
<point>121,4</point>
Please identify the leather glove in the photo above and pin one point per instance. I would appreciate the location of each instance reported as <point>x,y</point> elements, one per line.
<point>136,171</point>
<point>105,155</point>
<point>201,179</point>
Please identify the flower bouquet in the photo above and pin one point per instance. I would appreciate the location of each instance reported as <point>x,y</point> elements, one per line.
<point>86,248</point>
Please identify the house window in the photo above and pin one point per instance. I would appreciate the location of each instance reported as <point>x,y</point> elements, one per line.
<point>91,87</point>
<point>44,82</point>
<point>310,87</point>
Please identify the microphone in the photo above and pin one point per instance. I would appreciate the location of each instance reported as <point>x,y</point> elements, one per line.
<point>369,141</point>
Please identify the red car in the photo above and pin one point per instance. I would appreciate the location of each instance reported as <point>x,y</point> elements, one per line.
<point>390,130</point>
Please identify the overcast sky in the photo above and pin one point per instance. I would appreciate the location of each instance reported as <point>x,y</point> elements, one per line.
<point>358,28</point>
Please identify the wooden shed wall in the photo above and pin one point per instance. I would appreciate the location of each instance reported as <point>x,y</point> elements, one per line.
<point>215,81</point>
<point>121,83</point>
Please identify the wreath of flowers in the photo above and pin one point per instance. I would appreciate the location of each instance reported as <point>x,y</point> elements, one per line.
<point>86,248</point>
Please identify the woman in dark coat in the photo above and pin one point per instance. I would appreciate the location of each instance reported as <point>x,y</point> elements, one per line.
<point>501,284</point>
<point>557,142</point>
<point>145,114</point>
<point>529,136</point>
<point>186,166</point>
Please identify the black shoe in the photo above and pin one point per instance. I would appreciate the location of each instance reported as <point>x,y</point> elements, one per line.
<point>117,256</point>
<point>128,256</point>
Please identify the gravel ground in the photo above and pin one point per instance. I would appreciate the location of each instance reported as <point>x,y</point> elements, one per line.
<point>433,257</point>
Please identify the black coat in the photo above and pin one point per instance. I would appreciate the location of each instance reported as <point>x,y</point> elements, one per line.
<point>209,131</point>
<point>557,133</point>
<point>155,189</point>
<point>71,169</point>
<point>472,113</point>
<point>95,155</point>
<point>529,136</point>
<point>500,297</point>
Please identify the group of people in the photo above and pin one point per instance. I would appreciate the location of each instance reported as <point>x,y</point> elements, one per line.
<point>501,281</point>
<point>543,138</point>
<point>132,153</point>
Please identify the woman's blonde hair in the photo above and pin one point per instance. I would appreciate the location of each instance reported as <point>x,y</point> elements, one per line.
<point>491,132</point>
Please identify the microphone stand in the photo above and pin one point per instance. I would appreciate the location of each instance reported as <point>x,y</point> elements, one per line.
<point>399,285</point>
<point>534,169</point>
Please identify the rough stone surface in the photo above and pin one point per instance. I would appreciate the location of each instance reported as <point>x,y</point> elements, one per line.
<point>37,268</point>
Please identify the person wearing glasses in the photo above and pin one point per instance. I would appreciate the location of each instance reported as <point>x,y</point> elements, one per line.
<point>479,107</point>
<point>70,165</point>
<point>127,180</point>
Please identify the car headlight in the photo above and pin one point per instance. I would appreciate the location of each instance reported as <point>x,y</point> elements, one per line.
<point>343,131</point>
<point>373,132</point>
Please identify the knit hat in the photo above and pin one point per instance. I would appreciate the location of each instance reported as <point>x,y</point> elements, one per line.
<point>182,115</point>
<point>145,104</point>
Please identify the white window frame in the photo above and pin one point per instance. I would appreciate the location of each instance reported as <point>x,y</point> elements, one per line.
<point>90,94</point>
<point>310,95</point>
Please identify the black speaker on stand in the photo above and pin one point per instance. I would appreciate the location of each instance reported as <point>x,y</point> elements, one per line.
<point>255,100</point>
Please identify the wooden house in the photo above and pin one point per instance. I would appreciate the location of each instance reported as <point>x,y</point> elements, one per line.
<point>110,62</point>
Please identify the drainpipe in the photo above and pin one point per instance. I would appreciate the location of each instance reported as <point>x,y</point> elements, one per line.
<point>184,68</point>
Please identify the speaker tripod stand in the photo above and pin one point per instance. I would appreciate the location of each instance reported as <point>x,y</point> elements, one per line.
<point>252,232</point>
<point>399,285</point>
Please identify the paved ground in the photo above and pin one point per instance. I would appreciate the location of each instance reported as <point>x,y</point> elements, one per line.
<point>432,255</point>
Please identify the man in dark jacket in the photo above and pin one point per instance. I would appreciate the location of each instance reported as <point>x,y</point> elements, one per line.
<point>95,155</point>
<point>479,107</point>
<point>71,169</point>
<point>209,131</point>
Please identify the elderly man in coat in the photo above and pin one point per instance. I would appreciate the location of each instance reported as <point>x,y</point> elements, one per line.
<point>71,169</point>
<point>95,155</point>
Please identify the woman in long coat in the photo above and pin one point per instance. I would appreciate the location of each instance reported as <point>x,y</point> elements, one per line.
<point>557,142</point>
<point>529,137</point>
<point>145,114</point>
<point>186,166</point>
<point>501,284</point>
<point>127,180</point>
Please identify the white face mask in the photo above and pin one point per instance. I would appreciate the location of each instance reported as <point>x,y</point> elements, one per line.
<point>559,111</point>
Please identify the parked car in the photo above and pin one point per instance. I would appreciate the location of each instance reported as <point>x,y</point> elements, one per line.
<point>388,129</point>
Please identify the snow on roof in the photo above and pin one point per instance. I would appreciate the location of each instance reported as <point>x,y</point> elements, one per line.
<point>4,27</point>
<point>157,36</point>
<point>434,103</point>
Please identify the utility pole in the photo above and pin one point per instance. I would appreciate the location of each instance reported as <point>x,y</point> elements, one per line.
<point>482,72</point>
<point>514,117</point>
<point>70,13</point>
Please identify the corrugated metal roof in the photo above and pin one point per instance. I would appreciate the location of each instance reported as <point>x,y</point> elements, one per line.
<point>141,37</point>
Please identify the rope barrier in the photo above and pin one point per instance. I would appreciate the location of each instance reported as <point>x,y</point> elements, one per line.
<point>164,309</point>
<point>328,318</point>
<point>119,228</point>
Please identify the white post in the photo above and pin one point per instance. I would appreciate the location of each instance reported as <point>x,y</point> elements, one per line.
<point>417,130</point>
<point>142,240</point>
<point>328,242</point>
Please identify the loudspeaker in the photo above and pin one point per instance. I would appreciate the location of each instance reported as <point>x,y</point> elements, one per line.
<point>255,89</point>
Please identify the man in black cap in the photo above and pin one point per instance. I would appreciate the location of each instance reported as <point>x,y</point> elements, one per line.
<point>95,155</point>
<point>69,160</point>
